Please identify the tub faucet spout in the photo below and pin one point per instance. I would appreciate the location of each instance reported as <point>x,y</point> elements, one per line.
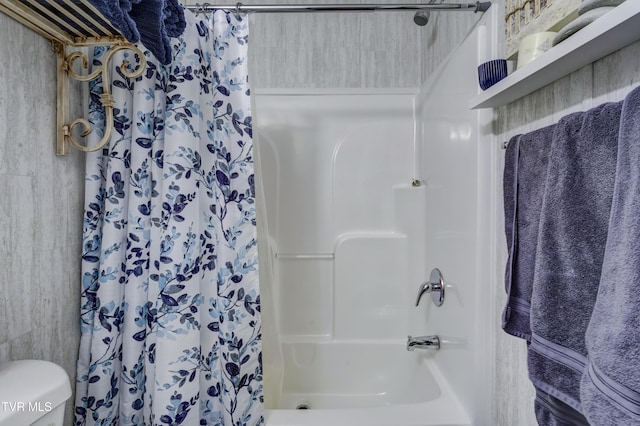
<point>423,342</point>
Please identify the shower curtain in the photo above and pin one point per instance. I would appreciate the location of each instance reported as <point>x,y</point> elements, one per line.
<point>170,308</point>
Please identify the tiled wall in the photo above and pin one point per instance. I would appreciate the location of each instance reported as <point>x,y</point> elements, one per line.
<point>40,209</point>
<point>607,80</point>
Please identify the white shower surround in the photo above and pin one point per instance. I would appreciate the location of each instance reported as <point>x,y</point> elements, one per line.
<point>356,391</point>
<point>349,230</point>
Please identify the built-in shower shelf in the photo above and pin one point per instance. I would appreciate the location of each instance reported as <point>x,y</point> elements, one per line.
<point>611,32</point>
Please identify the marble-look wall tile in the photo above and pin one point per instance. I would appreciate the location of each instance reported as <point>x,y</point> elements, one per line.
<point>573,93</point>
<point>58,309</point>
<point>444,32</point>
<point>326,45</point>
<point>16,255</point>
<point>335,50</point>
<point>24,52</point>
<point>41,209</point>
<point>615,74</point>
<point>390,50</point>
<point>546,105</point>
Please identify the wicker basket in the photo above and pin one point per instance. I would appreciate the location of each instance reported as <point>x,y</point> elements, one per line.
<point>525,17</point>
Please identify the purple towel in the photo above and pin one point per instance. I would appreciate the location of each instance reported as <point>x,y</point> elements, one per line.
<point>610,388</point>
<point>174,21</point>
<point>525,173</point>
<point>117,13</point>
<point>152,22</point>
<point>157,21</point>
<point>572,235</point>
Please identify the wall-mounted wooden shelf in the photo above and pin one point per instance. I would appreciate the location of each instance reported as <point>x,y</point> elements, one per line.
<point>611,32</point>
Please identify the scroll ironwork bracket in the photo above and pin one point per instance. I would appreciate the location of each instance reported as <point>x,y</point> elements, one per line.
<point>65,128</point>
<point>76,23</point>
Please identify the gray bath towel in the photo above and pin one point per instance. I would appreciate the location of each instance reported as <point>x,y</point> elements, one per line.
<point>525,174</point>
<point>551,411</point>
<point>572,235</point>
<point>611,385</point>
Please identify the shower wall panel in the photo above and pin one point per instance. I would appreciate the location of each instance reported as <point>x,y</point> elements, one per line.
<point>455,166</point>
<point>304,295</point>
<point>371,291</point>
<point>333,165</point>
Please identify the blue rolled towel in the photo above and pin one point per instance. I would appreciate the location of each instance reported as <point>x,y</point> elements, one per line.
<point>572,235</point>
<point>610,389</point>
<point>525,173</point>
<point>152,22</point>
<point>157,20</point>
<point>149,18</point>
<point>117,13</point>
<point>174,20</point>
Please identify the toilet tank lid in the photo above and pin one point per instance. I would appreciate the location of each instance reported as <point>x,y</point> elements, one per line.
<point>32,381</point>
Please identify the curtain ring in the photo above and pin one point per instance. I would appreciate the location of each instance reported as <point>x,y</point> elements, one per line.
<point>203,8</point>
<point>238,11</point>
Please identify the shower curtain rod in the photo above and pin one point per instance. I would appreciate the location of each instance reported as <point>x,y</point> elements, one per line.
<point>301,8</point>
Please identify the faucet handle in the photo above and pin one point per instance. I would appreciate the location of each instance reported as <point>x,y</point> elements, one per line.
<point>435,286</point>
<point>425,287</point>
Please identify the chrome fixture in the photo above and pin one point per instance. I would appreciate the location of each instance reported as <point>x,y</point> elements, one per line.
<point>423,342</point>
<point>435,286</point>
<point>422,17</point>
<point>240,8</point>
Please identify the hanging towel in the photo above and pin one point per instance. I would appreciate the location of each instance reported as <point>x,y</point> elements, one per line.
<point>571,240</point>
<point>551,411</point>
<point>174,20</point>
<point>149,18</point>
<point>525,173</point>
<point>117,13</point>
<point>157,21</point>
<point>611,385</point>
<point>152,22</point>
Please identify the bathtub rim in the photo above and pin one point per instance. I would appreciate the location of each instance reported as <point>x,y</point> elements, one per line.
<point>446,410</point>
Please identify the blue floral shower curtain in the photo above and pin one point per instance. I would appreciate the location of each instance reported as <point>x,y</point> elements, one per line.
<point>170,309</point>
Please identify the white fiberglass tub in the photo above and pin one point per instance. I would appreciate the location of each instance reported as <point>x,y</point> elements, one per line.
<point>364,383</point>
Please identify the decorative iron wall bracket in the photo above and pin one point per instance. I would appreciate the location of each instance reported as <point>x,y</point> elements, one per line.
<point>75,23</point>
<point>65,136</point>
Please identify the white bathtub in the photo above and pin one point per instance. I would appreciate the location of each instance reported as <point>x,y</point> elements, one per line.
<point>352,384</point>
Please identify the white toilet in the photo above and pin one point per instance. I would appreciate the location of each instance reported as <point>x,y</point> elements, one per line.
<point>32,393</point>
